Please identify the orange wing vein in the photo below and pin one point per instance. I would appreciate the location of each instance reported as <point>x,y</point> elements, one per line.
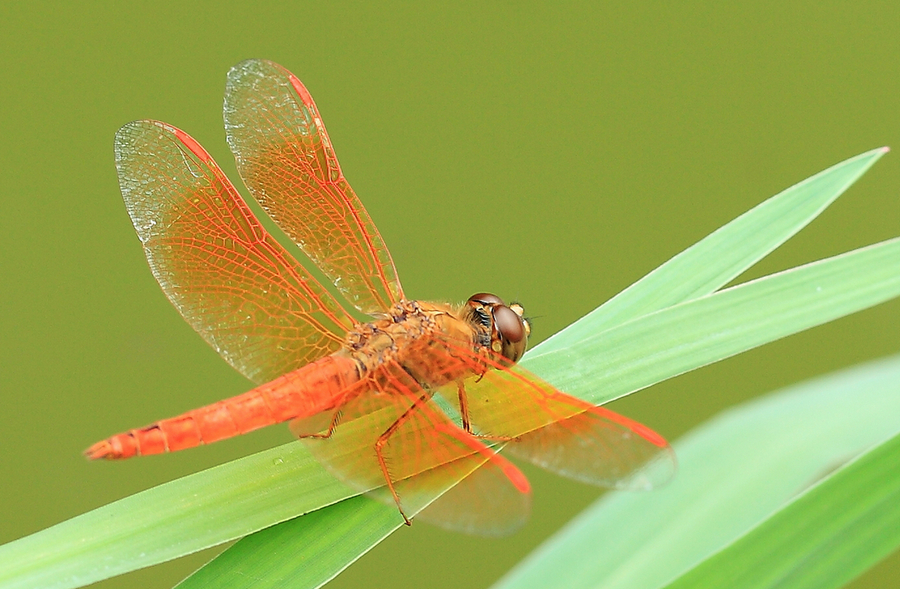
<point>227,276</point>
<point>287,161</point>
<point>425,455</point>
<point>556,431</point>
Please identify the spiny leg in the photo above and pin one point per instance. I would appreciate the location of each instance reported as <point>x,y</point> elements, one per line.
<point>470,442</point>
<point>383,440</point>
<point>335,419</point>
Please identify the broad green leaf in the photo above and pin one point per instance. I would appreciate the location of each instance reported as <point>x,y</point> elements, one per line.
<point>735,471</point>
<point>705,254</point>
<point>658,346</point>
<point>821,540</point>
<point>221,504</point>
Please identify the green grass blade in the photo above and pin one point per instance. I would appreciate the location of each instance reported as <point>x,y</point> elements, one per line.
<point>721,256</point>
<point>735,471</point>
<point>642,352</point>
<point>664,344</point>
<point>171,520</point>
<point>321,545</point>
<point>823,539</point>
<point>699,270</point>
<point>235,499</point>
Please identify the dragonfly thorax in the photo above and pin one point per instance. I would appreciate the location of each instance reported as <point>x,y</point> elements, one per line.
<point>422,338</point>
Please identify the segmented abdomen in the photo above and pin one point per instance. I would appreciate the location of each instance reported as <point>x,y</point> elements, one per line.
<point>305,392</point>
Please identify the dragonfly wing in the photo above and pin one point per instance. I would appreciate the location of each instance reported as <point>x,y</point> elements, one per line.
<point>424,454</point>
<point>600,447</point>
<point>483,503</point>
<point>227,276</point>
<point>287,161</point>
<point>557,431</point>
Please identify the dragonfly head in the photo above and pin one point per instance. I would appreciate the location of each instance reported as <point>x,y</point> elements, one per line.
<point>508,327</point>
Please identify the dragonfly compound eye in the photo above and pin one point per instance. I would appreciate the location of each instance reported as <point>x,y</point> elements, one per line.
<point>485,298</point>
<point>511,328</point>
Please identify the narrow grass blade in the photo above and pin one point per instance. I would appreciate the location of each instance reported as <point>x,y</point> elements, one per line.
<point>318,542</point>
<point>735,471</point>
<point>652,348</point>
<point>721,256</point>
<point>823,539</point>
<point>235,499</point>
<point>171,520</point>
<point>664,344</point>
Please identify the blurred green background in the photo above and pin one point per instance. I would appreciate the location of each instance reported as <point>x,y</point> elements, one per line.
<point>552,155</point>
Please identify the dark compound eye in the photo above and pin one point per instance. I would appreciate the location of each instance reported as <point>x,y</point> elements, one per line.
<point>509,324</point>
<point>486,299</point>
<point>509,328</point>
<point>512,332</point>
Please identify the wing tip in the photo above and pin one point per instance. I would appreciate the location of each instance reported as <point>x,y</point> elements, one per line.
<point>191,144</point>
<point>635,426</point>
<point>301,91</point>
<point>263,68</point>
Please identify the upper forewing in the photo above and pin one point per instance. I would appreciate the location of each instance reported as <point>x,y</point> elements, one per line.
<point>286,159</point>
<point>226,275</point>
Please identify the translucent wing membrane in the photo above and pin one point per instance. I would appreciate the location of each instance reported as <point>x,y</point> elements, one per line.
<point>389,428</point>
<point>601,448</point>
<point>287,161</point>
<point>226,275</point>
<point>557,431</point>
<point>267,316</point>
<point>484,503</point>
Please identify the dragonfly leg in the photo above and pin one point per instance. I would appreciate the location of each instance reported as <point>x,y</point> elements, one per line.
<point>309,427</point>
<point>463,405</point>
<point>335,419</point>
<point>379,451</point>
<point>464,414</point>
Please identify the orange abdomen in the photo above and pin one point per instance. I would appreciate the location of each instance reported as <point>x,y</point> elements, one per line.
<point>305,392</point>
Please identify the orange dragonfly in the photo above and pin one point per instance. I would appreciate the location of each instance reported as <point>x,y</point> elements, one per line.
<point>414,402</point>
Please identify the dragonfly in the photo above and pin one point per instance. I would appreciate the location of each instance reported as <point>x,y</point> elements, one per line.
<point>414,402</point>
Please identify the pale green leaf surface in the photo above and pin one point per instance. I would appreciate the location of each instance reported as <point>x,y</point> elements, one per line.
<point>171,520</point>
<point>704,255</point>
<point>735,471</point>
<point>652,348</point>
<point>823,539</point>
<point>211,507</point>
<point>306,551</point>
<point>672,341</point>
